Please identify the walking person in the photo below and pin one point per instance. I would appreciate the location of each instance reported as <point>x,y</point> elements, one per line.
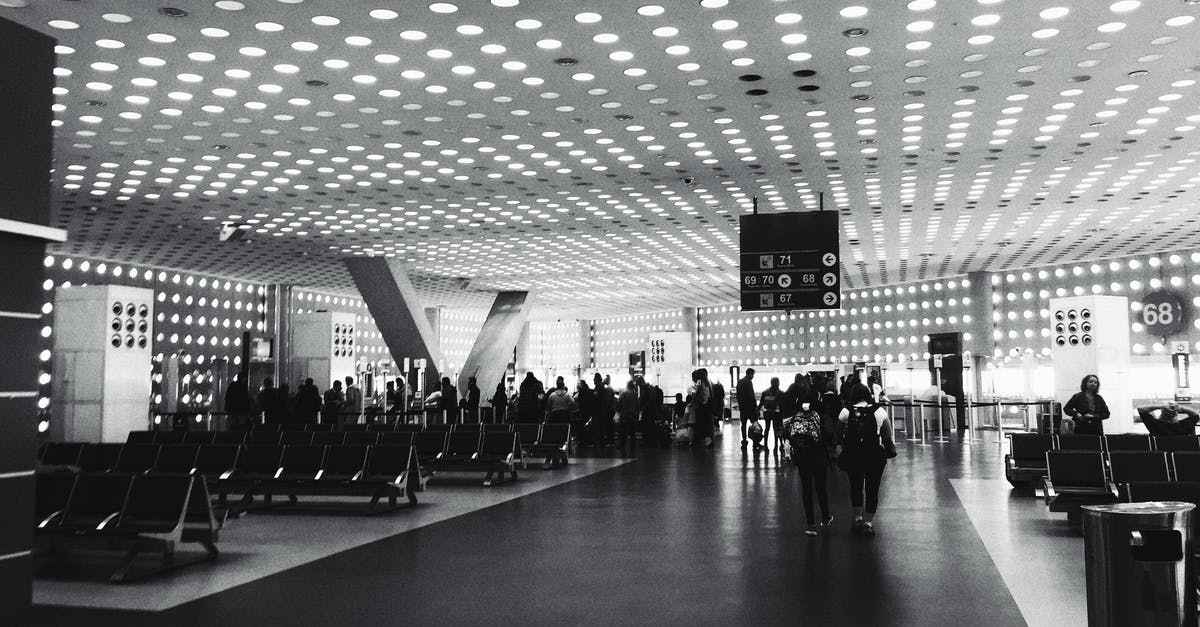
<point>866,447</point>
<point>747,402</point>
<point>813,440</point>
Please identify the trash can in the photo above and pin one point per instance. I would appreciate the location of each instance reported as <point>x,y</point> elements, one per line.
<point>1138,566</point>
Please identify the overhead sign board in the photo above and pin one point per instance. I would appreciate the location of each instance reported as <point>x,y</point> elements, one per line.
<point>790,261</point>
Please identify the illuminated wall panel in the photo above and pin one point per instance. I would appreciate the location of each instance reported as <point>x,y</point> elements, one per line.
<point>883,324</point>
<point>198,316</point>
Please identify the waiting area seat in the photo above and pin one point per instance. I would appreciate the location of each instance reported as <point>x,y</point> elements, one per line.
<point>552,442</point>
<point>1025,464</point>
<point>1075,478</point>
<point>131,512</point>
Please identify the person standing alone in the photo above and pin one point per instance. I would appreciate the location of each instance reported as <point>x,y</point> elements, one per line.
<point>747,402</point>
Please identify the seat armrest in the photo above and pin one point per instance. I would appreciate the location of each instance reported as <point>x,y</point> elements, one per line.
<point>52,518</point>
<point>227,474</point>
<point>357,476</point>
<point>104,523</point>
<point>1050,493</point>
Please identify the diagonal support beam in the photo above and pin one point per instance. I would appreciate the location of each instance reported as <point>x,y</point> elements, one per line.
<point>494,345</point>
<point>397,310</point>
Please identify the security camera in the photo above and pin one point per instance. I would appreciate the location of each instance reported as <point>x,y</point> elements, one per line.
<point>689,180</point>
<point>230,232</point>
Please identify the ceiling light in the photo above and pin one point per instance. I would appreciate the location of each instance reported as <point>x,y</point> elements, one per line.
<point>1054,13</point>
<point>443,7</point>
<point>853,12</point>
<point>1124,6</point>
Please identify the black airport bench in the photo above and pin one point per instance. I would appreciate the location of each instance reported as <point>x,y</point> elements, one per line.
<point>131,512</point>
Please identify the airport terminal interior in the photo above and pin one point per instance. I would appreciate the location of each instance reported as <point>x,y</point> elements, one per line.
<point>290,286</point>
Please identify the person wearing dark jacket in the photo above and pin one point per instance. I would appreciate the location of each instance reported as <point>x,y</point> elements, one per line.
<point>237,397</point>
<point>449,402</point>
<point>500,404</point>
<point>813,439</point>
<point>265,398</point>
<point>769,404</point>
<point>628,410</point>
<point>308,402</point>
<point>529,399</point>
<point>279,409</point>
<point>747,402</point>
<point>471,402</point>
<point>1087,408</point>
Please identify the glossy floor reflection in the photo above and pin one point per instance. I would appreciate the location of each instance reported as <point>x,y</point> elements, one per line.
<point>678,536</point>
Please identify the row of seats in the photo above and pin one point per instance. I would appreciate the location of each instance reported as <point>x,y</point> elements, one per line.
<point>376,471</point>
<point>550,441</point>
<point>135,512</point>
<point>1075,478</point>
<point>1025,465</point>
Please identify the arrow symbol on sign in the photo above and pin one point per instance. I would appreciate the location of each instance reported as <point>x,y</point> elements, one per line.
<point>785,280</point>
<point>829,259</point>
<point>829,279</point>
<point>830,298</point>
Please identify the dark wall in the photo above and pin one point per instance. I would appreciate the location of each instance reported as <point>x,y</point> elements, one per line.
<point>26,80</point>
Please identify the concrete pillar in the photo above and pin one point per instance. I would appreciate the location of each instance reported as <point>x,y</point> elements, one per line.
<point>399,315</point>
<point>981,341</point>
<point>691,324</point>
<point>585,349</point>
<point>493,347</point>
<point>26,80</point>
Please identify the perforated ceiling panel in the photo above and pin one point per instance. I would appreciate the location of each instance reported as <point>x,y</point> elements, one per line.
<point>602,152</point>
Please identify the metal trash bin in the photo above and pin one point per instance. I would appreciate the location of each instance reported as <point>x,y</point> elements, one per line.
<point>1139,570</point>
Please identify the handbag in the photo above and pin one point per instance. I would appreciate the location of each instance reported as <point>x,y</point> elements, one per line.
<point>889,449</point>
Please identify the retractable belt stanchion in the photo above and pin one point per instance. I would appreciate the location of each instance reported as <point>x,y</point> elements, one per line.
<point>917,424</point>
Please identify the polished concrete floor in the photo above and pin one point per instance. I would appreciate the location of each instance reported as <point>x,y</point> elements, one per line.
<point>672,536</point>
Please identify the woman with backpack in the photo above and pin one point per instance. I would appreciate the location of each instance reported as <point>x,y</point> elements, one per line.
<point>866,446</point>
<point>812,438</point>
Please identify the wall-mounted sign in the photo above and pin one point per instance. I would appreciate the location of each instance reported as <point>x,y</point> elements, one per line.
<point>1163,313</point>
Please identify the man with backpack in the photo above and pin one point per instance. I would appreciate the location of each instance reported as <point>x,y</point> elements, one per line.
<point>813,440</point>
<point>866,447</point>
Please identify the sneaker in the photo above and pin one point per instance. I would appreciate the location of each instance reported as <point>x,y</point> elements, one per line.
<point>828,521</point>
<point>867,530</point>
<point>811,531</point>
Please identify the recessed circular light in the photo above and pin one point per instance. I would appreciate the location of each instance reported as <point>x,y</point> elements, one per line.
<point>921,5</point>
<point>527,24</point>
<point>161,38</point>
<point>788,18</point>
<point>1054,13</point>
<point>1124,6</point>
<point>650,10</point>
<point>443,7</point>
<point>116,18</point>
<point>853,12</point>
<point>986,20</point>
<point>383,14</point>
<point>62,24</point>
<point>858,51</point>
<point>269,27</point>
